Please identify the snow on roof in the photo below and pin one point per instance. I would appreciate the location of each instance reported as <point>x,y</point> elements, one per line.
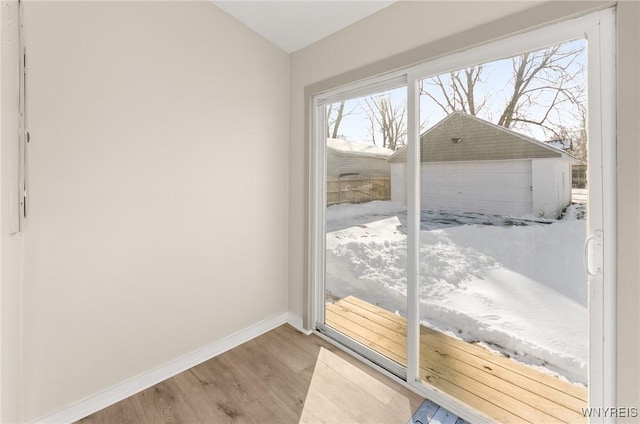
<point>560,144</point>
<point>344,147</point>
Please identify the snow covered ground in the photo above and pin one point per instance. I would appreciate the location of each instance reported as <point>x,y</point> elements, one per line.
<point>515,284</point>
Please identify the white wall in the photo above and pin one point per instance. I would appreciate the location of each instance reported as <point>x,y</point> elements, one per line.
<point>159,175</point>
<point>550,193</point>
<point>398,183</point>
<point>10,244</point>
<point>628,110</point>
<point>550,197</point>
<point>563,172</point>
<point>544,182</point>
<point>409,32</point>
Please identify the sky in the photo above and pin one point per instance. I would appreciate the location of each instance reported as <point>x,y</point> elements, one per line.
<point>497,84</point>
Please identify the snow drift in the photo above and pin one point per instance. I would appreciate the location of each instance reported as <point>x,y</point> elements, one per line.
<point>515,285</point>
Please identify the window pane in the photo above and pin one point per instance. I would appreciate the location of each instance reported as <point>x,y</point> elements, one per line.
<point>366,222</point>
<point>503,291</point>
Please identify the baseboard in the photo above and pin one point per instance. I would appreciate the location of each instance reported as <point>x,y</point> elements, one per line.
<point>150,378</point>
<point>296,322</point>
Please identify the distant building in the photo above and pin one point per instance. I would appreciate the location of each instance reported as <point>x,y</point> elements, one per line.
<point>471,165</point>
<point>346,158</point>
<point>357,172</point>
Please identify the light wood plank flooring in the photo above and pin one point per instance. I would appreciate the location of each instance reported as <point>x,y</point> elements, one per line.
<point>499,387</point>
<point>280,377</point>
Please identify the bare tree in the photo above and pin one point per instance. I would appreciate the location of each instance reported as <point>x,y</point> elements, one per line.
<point>544,84</point>
<point>387,118</point>
<point>457,90</point>
<point>335,113</point>
<point>577,137</point>
<point>333,122</point>
<point>545,87</point>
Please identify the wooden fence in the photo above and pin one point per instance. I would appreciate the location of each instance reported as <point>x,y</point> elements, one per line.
<point>358,189</point>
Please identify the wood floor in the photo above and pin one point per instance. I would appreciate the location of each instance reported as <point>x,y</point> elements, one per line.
<point>499,387</point>
<point>280,377</point>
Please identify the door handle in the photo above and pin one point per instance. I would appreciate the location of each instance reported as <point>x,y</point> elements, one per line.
<point>593,250</point>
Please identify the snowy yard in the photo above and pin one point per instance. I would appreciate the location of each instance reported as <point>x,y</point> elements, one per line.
<point>515,284</point>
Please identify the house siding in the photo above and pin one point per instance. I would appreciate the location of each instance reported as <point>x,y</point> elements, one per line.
<point>478,141</point>
<point>552,187</point>
<point>338,164</point>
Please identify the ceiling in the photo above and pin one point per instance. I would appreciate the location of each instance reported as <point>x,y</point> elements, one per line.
<point>292,25</point>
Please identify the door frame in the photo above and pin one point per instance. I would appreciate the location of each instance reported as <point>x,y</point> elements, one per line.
<point>599,29</point>
<point>319,197</point>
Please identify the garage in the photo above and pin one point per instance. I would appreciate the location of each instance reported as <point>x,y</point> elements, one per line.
<point>471,165</point>
<point>502,188</point>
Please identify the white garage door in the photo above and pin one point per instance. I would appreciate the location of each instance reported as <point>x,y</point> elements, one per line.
<point>501,187</point>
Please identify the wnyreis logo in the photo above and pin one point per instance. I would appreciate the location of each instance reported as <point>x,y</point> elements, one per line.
<point>620,412</point>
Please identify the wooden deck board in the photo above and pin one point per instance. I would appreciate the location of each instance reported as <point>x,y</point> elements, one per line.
<point>384,317</point>
<point>496,386</point>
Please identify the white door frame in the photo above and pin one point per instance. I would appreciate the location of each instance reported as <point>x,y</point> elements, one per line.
<point>600,248</point>
<point>318,189</point>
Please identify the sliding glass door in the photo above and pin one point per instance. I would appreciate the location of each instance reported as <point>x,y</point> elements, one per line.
<point>503,289</point>
<point>464,224</point>
<point>365,231</point>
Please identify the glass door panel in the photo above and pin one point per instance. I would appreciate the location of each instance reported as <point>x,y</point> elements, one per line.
<point>503,290</point>
<point>365,224</point>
